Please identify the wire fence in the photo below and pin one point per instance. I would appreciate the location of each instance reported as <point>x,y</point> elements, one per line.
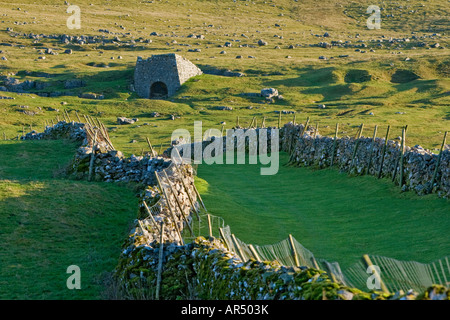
<point>395,275</point>
<point>195,220</point>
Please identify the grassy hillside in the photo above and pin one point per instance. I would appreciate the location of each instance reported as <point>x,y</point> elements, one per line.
<point>373,87</point>
<point>49,223</point>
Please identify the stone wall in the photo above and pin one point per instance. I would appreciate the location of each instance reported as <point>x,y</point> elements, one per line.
<point>203,268</point>
<point>419,163</point>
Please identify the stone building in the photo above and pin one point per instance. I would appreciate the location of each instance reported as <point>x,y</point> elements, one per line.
<point>159,76</point>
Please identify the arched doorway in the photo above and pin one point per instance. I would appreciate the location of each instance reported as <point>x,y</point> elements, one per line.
<point>158,90</point>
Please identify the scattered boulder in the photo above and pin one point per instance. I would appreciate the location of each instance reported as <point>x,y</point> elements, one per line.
<point>269,92</point>
<point>224,108</point>
<point>124,120</point>
<point>262,43</point>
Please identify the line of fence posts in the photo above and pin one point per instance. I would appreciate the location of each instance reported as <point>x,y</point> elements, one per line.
<point>365,258</point>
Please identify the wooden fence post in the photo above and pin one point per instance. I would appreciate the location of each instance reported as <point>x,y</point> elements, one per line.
<point>151,216</point>
<point>371,149</point>
<point>187,192</point>
<point>150,146</point>
<point>252,123</point>
<point>199,197</point>
<point>224,239</point>
<point>355,149</point>
<point>291,151</point>
<point>334,145</point>
<point>380,170</point>
<point>238,247</point>
<point>255,254</point>
<point>438,163</point>
<point>369,263</point>
<point>67,113</point>
<point>91,163</point>
<point>209,226</point>
<point>178,203</point>
<point>160,262</point>
<point>294,252</point>
<point>170,208</point>
<point>400,157</point>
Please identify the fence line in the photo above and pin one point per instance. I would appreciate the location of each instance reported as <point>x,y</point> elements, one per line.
<point>395,275</point>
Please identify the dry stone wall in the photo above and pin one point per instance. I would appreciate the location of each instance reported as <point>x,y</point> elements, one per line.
<point>203,268</point>
<point>312,149</point>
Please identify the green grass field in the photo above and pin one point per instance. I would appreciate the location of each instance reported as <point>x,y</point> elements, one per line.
<point>338,218</point>
<point>49,223</point>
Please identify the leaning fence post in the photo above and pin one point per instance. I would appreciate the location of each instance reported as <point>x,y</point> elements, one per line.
<point>170,208</point>
<point>151,216</point>
<point>397,161</point>
<point>334,145</point>
<point>199,197</point>
<point>238,247</point>
<point>67,113</point>
<point>150,146</point>
<point>255,254</point>
<point>315,264</point>
<point>187,192</point>
<point>224,239</point>
<point>384,152</point>
<point>160,262</point>
<point>438,162</point>
<point>178,203</point>
<point>91,163</point>
<point>371,148</point>
<point>301,137</point>
<point>355,150</point>
<point>402,156</point>
<point>294,252</point>
<point>369,263</point>
<point>209,226</point>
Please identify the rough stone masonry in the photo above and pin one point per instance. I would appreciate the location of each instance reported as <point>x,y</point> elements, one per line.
<point>161,75</point>
<point>204,268</point>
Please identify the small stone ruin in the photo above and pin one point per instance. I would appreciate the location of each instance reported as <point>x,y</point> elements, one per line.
<point>160,76</point>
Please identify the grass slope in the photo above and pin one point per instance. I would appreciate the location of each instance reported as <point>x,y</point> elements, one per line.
<point>337,217</point>
<point>303,80</point>
<point>49,223</point>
